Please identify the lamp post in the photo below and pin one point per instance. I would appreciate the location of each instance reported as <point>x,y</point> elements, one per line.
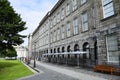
<point>34,64</point>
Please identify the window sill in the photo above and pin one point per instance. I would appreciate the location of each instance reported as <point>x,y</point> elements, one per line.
<point>75,10</point>
<point>68,15</point>
<point>104,19</point>
<point>75,34</point>
<point>83,3</point>
<point>84,31</point>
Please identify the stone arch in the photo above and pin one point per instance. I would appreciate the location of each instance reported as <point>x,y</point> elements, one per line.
<point>86,47</point>
<point>58,50</point>
<point>63,49</point>
<point>68,48</point>
<point>54,50</point>
<point>47,51</point>
<point>76,47</point>
<point>51,51</point>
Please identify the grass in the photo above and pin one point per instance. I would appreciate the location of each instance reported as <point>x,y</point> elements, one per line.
<point>13,69</point>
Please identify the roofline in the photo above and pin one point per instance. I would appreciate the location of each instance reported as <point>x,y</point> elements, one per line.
<point>41,22</point>
<point>48,14</point>
<point>56,6</point>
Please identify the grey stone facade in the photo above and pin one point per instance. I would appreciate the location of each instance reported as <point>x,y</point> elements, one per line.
<point>46,38</point>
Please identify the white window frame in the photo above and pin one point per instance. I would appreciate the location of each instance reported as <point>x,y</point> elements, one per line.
<point>58,34</point>
<point>54,22</point>
<point>83,1</point>
<point>84,21</point>
<point>51,24</point>
<point>63,31</point>
<point>68,29</point>
<point>112,51</point>
<point>58,17</point>
<point>67,9</point>
<point>93,16</point>
<point>76,26</point>
<point>108,8</point>
<point>74,5</point>
<point>62,13</point>
<point>54,35</point>
<point>51,37</point>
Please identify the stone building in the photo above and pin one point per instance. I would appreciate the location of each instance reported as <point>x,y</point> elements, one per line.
<point>72,26</point>
<point>22,52</point>
<point>30,46</point>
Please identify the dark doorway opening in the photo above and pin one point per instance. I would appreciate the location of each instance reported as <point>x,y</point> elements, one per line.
<point>51,51</point>
<point>76,47</point>
<point>86,48</point>
<point>68,49</point>
<point>54,50</point>
<point>96,52</point>
<point>63,49</point>
<point>58,50</point>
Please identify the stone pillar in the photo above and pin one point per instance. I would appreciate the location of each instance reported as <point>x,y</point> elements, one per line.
<point>102,52</point>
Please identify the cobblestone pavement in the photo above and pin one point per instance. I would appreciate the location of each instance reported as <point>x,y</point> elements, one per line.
<point>62,72</point>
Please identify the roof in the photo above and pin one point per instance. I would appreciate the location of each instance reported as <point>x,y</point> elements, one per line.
<point>49,14</point>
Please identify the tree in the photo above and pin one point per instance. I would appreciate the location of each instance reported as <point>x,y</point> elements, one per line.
<point>10,25</point>
<point>11,52</point>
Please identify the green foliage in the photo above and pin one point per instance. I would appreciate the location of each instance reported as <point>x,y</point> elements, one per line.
<point>11,52</point>
<point>10,26</point>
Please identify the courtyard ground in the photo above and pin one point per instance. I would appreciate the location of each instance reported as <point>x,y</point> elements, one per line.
<point>49,71</point>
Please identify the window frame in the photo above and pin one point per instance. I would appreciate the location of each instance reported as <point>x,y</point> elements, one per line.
<point>67,9</point>
<point>62,13</point>
<point>58,17</point>
<point>83,2</point>
<point>76,26</point>
<point>68,29</point>
<point>84,22</point>
<point>74,5</point>
<point>55,35</point>
<point>51,37</point>
<point>105,8</point>
<point>113,51</point>
<point>63,31</point>
<point>58,34</point>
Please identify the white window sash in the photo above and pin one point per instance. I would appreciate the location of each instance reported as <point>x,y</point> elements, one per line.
<point>83,1</point>
<point>112,55</point>
<point>84,22</point>
<point>74,5</point>
<point>63,32</point>
<point>108,8</point>
<point>68,9</point>
<point>62,14</point>
<point>75,26</point>
<point>68,30</point>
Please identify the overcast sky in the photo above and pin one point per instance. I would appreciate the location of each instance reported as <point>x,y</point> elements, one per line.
<point>32,11</point>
